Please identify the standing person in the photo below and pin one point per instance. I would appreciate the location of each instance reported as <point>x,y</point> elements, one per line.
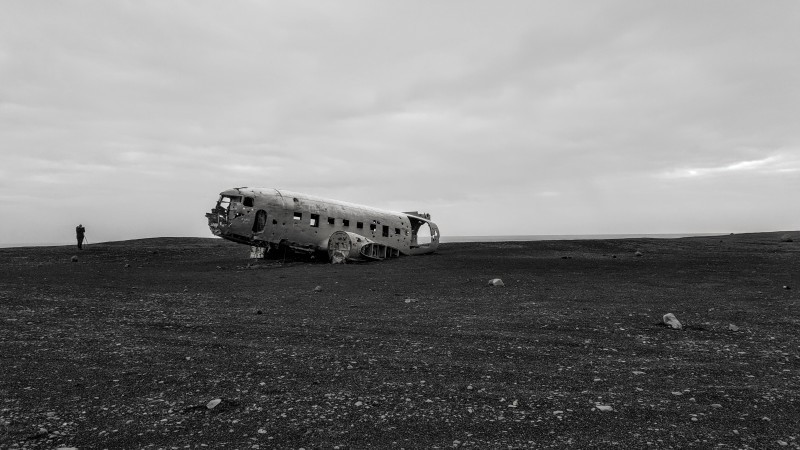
<point>79,233</point>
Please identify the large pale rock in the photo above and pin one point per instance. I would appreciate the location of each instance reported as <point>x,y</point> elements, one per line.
<point>213,403</point>
<point>672,321</point>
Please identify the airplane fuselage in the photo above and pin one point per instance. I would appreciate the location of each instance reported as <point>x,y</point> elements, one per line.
<point>271,218</point>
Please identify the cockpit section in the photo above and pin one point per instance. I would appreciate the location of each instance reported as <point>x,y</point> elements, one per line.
<point>223,212</point>
<point>222,218</point>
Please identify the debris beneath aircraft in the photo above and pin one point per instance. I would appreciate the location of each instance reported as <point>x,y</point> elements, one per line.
<point>670,320</point>
<point>496,282</point>
<point>278,222</point>
<point>256,252</point>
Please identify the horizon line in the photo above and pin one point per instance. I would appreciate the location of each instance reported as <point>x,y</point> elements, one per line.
<point>456,238</point>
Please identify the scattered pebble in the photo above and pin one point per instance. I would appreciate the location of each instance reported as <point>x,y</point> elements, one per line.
<point>496,282</point>
<point>733,327</point>
<point>670,320</point>
<point>411,300</point>
<point>604,407</point>
<point>318,289</point>
<point>75,259</point>
<point>213,403</point>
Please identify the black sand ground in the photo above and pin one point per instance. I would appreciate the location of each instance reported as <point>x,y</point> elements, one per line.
<point>125,348</point>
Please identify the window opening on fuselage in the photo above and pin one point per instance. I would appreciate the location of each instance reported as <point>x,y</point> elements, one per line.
<point>397,231</point>
<point>346,222</point>
<point>314,221</point>
<point>359,224</point>
<point>331,220</point>
<point>372,226</point>
<point>298,216</point>
<point>261,221</point>
<point>248,201</point>
<point>385,231</point>
<point>225,203</point>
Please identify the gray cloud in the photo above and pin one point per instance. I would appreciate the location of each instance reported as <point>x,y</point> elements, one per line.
<point>534,116</point>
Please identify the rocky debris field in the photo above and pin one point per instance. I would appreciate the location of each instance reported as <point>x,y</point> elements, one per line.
<point>187,343</point>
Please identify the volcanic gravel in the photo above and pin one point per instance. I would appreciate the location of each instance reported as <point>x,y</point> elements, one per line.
<point>187,343</point>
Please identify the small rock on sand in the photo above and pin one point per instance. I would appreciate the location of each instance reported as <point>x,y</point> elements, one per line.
<point>74,259</point>
<point>213,403</point>
<point>672,321</point>
<point>496,282</point>
<point>604,407</point>
<point>318,289</point>
<point>733,327</point>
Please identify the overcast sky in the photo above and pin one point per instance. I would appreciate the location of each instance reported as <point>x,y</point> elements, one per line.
<point>497,118</point>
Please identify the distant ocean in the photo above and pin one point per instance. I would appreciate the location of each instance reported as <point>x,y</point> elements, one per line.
<point>568,237</point>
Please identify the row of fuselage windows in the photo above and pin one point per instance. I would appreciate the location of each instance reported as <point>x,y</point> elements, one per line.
<point>314,222</point>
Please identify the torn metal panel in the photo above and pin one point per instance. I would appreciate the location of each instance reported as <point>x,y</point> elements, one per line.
<point>271,218</point>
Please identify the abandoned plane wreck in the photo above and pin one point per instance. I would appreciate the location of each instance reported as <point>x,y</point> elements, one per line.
<point>272,219</point>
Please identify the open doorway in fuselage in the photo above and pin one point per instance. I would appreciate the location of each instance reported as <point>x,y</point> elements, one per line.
<point>261,222</point>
